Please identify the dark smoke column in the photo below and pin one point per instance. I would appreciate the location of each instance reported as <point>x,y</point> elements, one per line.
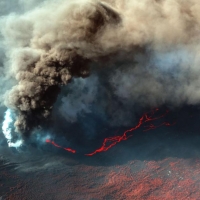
<point>42,82</point>
<point>54,56</point>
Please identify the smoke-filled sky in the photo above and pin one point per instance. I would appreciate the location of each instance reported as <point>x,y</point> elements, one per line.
<point>71,58</point>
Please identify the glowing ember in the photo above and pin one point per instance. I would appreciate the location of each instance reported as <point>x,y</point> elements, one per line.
<point>56,145</point>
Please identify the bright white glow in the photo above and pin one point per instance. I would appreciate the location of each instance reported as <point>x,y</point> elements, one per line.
<point>6,125</point>
<point>7,130</point>
<point>16,144</point>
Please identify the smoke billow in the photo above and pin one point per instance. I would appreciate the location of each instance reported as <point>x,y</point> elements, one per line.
<point>47,47</point>
<point>149,50</point>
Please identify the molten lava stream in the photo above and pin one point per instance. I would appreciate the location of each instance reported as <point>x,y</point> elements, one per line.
<point>112,141</point>
<point>56,145</point>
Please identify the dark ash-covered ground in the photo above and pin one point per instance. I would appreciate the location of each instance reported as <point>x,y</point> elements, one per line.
<point>163,163</point>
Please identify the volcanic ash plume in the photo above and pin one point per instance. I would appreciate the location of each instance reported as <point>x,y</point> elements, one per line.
<point>46,48</point>
<point>152,45</point>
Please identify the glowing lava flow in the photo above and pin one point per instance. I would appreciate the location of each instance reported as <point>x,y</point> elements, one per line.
<point>56,145</point>
<point>152,126</point>
<point>112,141</point>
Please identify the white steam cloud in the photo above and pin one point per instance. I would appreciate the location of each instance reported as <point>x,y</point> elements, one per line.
<point>7,129</point>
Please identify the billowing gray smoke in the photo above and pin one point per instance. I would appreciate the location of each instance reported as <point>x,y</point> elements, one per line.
<point>46,48</point>
<point>150,49</point>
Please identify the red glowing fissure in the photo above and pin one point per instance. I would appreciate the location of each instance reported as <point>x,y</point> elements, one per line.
<point>56,145</point>
<point>152,126</point>
<point>112,141</point>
